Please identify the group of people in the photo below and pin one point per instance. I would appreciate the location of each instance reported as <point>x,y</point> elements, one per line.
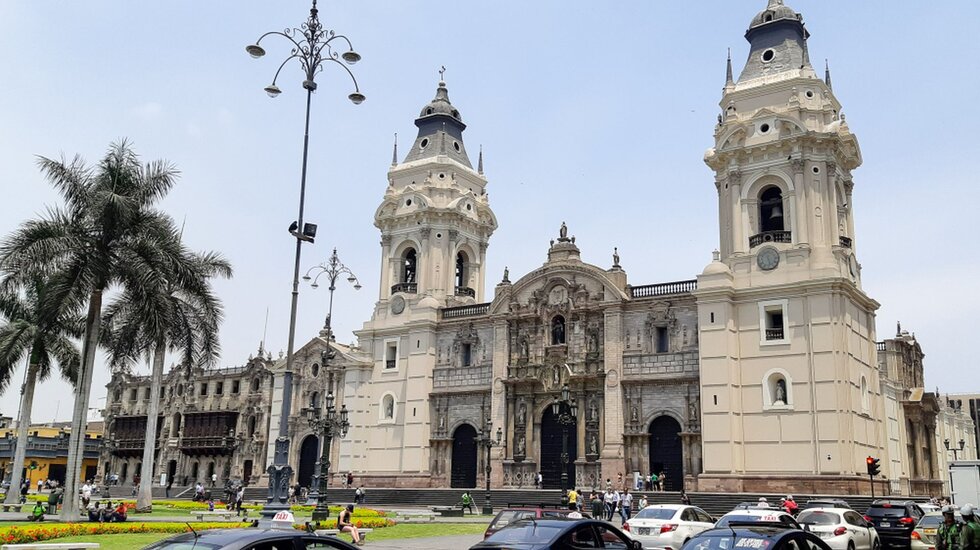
<point>108,513</point>
<point>652,482</point>
<point>953,535</point>
<point>786,504</point>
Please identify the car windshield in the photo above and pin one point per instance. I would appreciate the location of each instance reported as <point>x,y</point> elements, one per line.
<point>890,512</point>
<point>655,513</point>
<point>932,521</point>
<point>525,532</point>
<point>745,518</point>
<point>818,517</point>
<point>510,516</point>
<point>729,542</point>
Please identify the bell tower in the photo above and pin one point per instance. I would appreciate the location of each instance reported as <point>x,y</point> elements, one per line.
<point>789,383</point>
<point>435,219</point>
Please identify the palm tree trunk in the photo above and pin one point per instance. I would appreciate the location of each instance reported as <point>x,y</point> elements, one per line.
<point>79,419</point>
<point>144,500</point>
<point>26,403</point>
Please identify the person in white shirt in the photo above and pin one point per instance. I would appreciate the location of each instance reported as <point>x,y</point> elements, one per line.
<point>763,503</point>
<point>643,502</point>
<point>610,504</point>
<point>86,494</point>
<point>626,505</point>
<point>617,499</point>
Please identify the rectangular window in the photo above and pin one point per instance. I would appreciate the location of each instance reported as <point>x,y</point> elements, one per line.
<point>391,355</point>
<point>235,386</point>
<point>773,322</point>
<point>467,355</point>
<point>146,394</point>
<point>134,394</point>
<point>219,388</point>
<point>204,389</point>
<point>662,343</point>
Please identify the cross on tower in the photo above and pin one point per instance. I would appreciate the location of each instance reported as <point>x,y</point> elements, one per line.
<point>442,72</point>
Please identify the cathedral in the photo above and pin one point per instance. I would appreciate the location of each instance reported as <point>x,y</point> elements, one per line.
<point>763,372</point>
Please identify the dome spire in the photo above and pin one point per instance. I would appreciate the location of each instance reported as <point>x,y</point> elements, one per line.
<point>729,75</point>
<point>480,163</point>
<point>394,152</point>
<point>830,83</point>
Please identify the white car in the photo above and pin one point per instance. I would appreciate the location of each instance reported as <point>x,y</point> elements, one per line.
<point>753,515</point>
<point>667,526</point>
<point>840,528</point>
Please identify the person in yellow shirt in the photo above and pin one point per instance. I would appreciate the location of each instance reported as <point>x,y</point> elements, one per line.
<point>572,499</point>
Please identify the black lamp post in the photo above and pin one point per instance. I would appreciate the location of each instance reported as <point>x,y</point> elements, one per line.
<point>333,269</point>
<point>313,46</point>
<point>565,411</point>
<point>955,449</point>
<point>488,443</point>
<point>329,425</point>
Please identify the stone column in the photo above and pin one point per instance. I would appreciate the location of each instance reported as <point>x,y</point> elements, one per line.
<point>801,215</point>
<point>481,283</point>
<point>612,418</point>
<point>386,271</point>
<point>737,220</point>
<point>848,191</point>
<point>424,261</point>
<point>498,399</point>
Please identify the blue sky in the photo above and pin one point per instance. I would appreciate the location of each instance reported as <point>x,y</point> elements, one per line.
<point>597,114</point>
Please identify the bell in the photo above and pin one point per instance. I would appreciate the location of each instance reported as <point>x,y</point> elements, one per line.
<point>777,212</point>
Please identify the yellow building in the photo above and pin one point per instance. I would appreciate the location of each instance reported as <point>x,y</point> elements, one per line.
<point>47,451</point>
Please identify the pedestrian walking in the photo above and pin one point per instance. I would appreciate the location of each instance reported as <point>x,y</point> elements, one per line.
<point>467,502</point>
<point>686,500</point>
<point>170,483</point>
<point>350,479</point>
<point>626,505</point>
<point>654,482</point>
<point>663,480</point>
<point>948,535</point>
<point>239,498</point>
<point>214,480</point>
<point>598,508</point>
<point>609,506</point>
<point>970,532</point>
<point>642,503</point>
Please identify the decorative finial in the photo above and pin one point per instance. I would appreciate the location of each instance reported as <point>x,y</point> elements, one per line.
<point>715,256</point>
<point>775,3</point>
<point>394,152</point>
<point>826,78</point>
<point>480,163</point>
<point>729,75</point>
<point>442,75</point>
<point>615,257</point>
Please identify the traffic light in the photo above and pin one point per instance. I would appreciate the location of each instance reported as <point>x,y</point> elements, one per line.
<point>874,467</point>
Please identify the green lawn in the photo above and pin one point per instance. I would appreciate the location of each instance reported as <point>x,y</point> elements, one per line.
<point>403,531</point>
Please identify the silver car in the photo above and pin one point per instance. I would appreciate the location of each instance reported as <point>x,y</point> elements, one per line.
<point>840,528</point>
<point>663,526</point>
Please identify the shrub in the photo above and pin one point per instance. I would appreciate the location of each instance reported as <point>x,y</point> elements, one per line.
<point>37,533</point>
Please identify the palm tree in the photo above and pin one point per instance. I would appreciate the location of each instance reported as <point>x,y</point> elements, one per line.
<point>107,234</point>
<point>45,340</point>
<point>181,314</point>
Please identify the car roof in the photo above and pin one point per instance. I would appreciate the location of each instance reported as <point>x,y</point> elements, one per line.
<point>889,502</point>
<point>749,530</point>
<point>758,512</point>
<point>669,506</point>
<point>242,535</point>
<point>827,509</point>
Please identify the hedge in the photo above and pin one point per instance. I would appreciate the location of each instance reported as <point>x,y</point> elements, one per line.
<point>32,533</point>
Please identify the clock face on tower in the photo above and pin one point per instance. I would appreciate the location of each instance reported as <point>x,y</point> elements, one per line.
<point>397,305</point>
<point>768,258</point>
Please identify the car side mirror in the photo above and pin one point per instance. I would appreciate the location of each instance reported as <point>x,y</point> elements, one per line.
<point>637,545</point>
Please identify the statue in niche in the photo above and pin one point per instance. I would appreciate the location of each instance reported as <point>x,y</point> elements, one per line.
<point>442,420</point>
<point>556,376</point>
<point>692,410</point>
<point>593,343</point>
<point>593,411</point>
<point>558,331</point>
<point>390,408</point>
<point>525,347</point>
<point>594,444</point>
<point>520,445</point>
<point>780,392</point>
<point>522,415</point>
<point>635,414</point>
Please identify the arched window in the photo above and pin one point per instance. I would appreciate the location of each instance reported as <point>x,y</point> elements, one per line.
<point>315,400</point>
<point>255,384</point>
<point>409,266</point>
<point>771,210</point>
<point>461,275</point>
<point>251,425</point>
<point>777,390</point>
<point>557,330</point>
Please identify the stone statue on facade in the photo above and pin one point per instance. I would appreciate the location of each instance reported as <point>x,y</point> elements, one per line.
<point>556,376</point>
<point>520,446</point>
<point>615,256</point>
<point>635,414</point>
<point>558,333</point>
<point>593,343</point>
<point>522,415</point>
<point>593,411</point>
<point>525,347</point>
<point>563,232</point>
<point>594,445</point>
<point>780,392</point>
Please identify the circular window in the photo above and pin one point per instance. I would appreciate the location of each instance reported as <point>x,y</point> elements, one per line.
<point>809,94</point>
<point>768,55</point>
<point>764,129</point>
<point>438,235</point>
<point>442,176</point>
<point>424,143</point>
<point>469,207</point>
<point>408,202</point>
<point>456,146</point>
<point>816,169</point>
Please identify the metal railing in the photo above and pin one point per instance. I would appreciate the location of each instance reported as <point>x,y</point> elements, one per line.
<point>663,289</point>
<point>390,363</point>
<point>770,237</point>
<point>880,346</point>
<point>774,334</point>
<point>846,242</point>
<point>465,311</point>
<point>407,288</point>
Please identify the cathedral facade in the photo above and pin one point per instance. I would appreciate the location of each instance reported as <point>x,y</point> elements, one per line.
<point>760,373</point>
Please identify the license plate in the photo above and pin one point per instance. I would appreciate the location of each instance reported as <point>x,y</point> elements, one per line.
<point>884,524</point>
<point>930,531</point>
<point>643,531</point>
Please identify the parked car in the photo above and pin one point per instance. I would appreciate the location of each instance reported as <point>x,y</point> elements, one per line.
<point>895,520</point>
<point>250,538</point>
<point>668,525</point>
<point>514,513</point>
<point>755,515</point>
<point>923,537</point>
<point>763,536</point>
<point>827,503</point>
<point>558,534</point>
<point>840,528</point>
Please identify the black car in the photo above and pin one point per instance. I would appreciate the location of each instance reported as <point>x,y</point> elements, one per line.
<point>250,539</point>
<point>894,520</point>
<point>756,537</point>
<point>514,513</point>
<point>558,534</point>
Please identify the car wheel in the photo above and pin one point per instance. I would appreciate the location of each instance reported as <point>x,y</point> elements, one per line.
<point>876,545</point>
<point>850,545</point>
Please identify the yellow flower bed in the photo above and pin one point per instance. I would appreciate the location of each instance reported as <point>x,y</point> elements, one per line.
<point>37,533</point>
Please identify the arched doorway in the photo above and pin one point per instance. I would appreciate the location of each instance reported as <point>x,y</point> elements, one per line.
<point>666,451</point>
<point>464,457</point>
<point>551,447</point>
<point>307,460</point>
<point>247,472</point>
<point>171,471</point>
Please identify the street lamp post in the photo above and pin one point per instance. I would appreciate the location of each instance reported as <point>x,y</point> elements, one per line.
<point>565,412</point>
<point>955,449</point>
<point>329,425</point>
<point>333,269</point>
<point>488,443</point>
<point>313,46</point>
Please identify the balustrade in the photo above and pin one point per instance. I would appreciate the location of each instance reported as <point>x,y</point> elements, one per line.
<point>770,237</point>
